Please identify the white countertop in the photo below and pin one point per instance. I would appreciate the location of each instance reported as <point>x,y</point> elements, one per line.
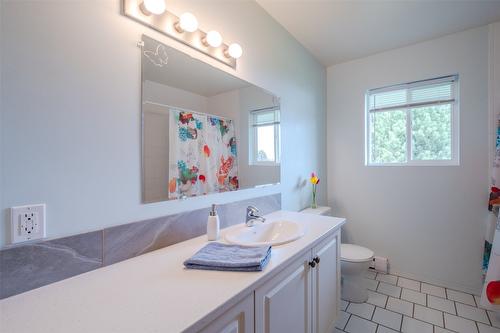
<point>152,292</point>
<point>320,210</point>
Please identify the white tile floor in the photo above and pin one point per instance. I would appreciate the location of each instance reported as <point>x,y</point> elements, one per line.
<point>397,304</point>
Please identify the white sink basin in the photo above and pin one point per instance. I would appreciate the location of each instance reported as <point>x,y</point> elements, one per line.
<point>267,233</point>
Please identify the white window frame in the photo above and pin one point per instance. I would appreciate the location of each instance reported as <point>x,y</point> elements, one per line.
<point>253,138</point>
<point>455,123</point>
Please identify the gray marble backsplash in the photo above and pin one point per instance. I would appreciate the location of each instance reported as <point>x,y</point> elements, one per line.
<point>30,266</point>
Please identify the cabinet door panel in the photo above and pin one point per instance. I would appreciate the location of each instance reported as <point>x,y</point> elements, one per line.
<point>326,285</point>
<point>283,304</point>
<point>238,319</point>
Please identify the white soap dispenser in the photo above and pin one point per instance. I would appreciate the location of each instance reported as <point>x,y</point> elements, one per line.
<point>213,226</point>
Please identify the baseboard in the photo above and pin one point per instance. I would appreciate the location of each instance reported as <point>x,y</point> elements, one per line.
<point>437,282</point>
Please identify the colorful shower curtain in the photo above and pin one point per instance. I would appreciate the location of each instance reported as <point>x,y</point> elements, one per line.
<point>202,154</point>
<point>494,202</point>
<point>490,295</point>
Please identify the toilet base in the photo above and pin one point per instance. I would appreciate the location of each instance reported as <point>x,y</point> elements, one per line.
<point>354,289</point>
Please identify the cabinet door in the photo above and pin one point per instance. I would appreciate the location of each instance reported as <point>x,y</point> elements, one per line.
<point>283,304</point>
<point>326,284</point>
<point>238,319</point>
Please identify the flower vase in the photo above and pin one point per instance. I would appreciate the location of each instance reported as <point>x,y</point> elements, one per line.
<point>314,205</point>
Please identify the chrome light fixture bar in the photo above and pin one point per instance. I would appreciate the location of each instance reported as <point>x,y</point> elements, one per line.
<point>184,28</point>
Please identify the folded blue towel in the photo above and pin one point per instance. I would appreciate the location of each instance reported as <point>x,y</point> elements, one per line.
<point>223,257</point>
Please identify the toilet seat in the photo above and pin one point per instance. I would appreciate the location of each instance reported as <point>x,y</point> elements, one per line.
<point>355,253</point>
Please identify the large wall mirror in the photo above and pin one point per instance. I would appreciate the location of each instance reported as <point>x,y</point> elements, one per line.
<point>204,130</point>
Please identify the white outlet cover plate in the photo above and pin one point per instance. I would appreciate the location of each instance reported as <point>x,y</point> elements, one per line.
<point>27,223</point>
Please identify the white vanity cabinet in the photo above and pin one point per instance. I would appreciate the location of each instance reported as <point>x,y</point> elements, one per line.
<point>326,284</point>
<point>304,297</point>
<point>283,304</point>
<point>239,319</point>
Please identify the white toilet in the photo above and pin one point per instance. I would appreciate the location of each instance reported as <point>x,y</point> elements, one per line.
<point>354,262</point>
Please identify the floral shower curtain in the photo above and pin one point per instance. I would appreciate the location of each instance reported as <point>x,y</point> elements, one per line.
<point>202,154</point>
<point>494,202</point>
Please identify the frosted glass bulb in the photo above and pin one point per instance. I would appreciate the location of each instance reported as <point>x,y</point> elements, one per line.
<point>234,50</point>
<point>188,22</point>
<point>156,7</point>
<point>214,38</point>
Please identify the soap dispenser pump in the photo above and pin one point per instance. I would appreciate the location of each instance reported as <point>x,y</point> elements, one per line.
<point>213,226</point>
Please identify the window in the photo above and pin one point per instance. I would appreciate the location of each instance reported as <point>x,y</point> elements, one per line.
<point>413,124</point>
<point>265,137</point>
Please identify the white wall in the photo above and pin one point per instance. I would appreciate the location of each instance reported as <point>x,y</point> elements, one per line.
<point>71,107</point>
<point>429,221</point>
<point>159,93</point>
<point>225,104</point>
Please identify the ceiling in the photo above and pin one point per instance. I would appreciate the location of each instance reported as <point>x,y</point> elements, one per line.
<point>338,31</point>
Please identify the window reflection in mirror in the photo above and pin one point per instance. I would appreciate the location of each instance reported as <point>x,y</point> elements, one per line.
<point>265,136</point>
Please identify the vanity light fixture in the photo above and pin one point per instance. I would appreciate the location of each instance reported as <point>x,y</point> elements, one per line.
<point>212,38</point>
<point>156,7</point>
<point>234,51</point>
<point>183,28</point>
<point>187,22</point>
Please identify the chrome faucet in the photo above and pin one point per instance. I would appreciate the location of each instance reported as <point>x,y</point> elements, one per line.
<point>252,217</point>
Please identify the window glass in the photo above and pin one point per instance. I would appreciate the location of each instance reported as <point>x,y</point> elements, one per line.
<point>431,132</point>
<point>265,136</point>
<point>265,143</point>
<point>413,123</point>
<point>388,137</point>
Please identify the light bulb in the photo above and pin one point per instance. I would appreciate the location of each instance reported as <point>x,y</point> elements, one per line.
<point>156,7</point>
<point>213,38</point>
<point>187,22</point>
<point>234,51</point>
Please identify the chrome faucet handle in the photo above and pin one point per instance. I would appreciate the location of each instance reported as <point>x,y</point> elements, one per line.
<point>251,210</point>
<point>252,217</point>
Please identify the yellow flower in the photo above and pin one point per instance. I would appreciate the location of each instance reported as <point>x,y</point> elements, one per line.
<point>314,179</point>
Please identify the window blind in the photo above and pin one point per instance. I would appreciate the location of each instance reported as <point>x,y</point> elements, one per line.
<point>427,92</point>
<point>268,116</point>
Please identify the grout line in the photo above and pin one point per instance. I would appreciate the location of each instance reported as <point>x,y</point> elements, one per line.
<point>347,321</point>
<point>432,324</point>
<point>455,305</point>
<point>489,318</point>
<point>442,314</point>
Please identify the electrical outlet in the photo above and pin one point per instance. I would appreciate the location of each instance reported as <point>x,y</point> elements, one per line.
<point>27,223</point>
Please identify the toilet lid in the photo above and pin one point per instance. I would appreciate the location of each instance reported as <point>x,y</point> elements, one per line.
<point>355,253</point>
